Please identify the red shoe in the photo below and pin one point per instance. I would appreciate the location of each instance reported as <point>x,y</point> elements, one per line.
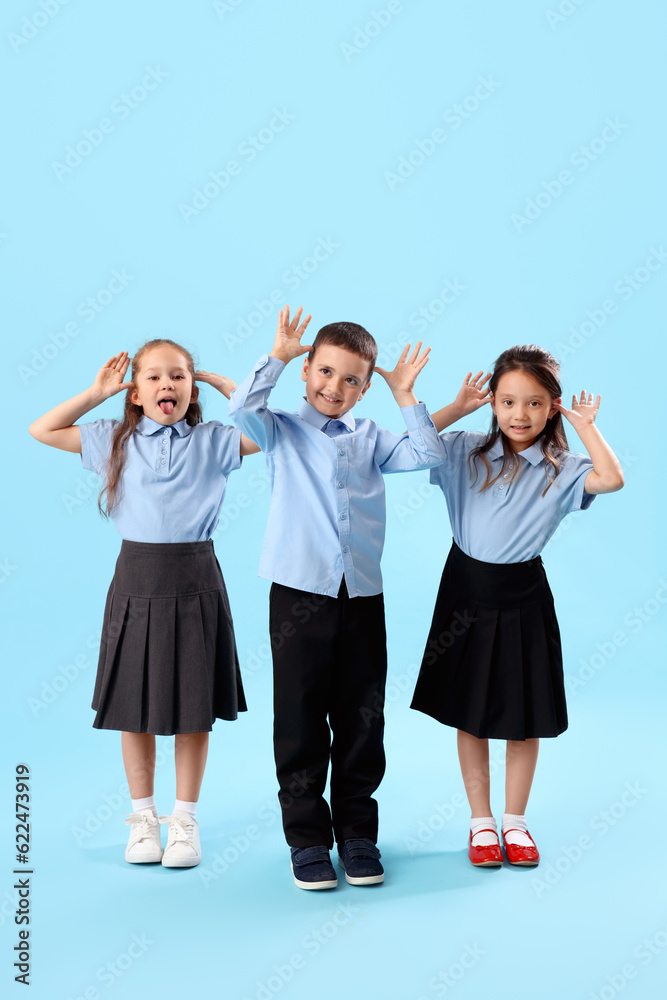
<point>519,855</point>
<point>485,857</point>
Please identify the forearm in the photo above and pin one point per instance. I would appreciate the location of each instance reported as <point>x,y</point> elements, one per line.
<point>606,466</point>
<point>65,414</point>
<point>446,416</point>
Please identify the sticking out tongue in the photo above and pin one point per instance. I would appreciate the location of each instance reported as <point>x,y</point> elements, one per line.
<point>166,405</point>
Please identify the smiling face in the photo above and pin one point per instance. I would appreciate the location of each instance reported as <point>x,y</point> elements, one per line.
<point>522,407</point>
<point>164,387</point>
<point>335,380</point>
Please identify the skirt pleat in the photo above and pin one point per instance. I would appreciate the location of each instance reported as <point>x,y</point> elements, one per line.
<point>168,661</point>
<point>493,664</point>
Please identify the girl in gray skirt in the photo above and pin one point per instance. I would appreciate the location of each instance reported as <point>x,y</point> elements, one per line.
<point>168,662</point>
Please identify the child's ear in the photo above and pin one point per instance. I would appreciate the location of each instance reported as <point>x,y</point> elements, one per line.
<point>133,397</point>
<point>195,393</point>
<point>493,402</point>
<point>364,390</point>
<point>553,411</point>
<point>304,371</point>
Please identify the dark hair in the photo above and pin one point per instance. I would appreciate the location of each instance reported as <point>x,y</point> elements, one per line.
<point>351,337</point>
<point>543,367</point>
<point>132,414</point>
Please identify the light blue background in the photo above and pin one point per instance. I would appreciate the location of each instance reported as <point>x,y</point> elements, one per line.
<point>568,928</point>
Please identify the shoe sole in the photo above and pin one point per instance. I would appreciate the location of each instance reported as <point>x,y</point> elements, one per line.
<point>181,863</point>
<point>330,884</point>
<point>365,879</point>
<point>486,864</point>
<point>150,860</point>
<point>523,864</point>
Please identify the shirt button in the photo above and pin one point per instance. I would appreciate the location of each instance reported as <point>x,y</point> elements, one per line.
<point>166,430</point>
<point>340,486</point>
<point>345,548</point>
<point>343,516</point>
<point>506,476</point>
<point>341,451</point>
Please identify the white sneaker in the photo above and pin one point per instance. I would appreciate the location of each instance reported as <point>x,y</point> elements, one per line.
<point>144,845</point>
<point>183,848</point>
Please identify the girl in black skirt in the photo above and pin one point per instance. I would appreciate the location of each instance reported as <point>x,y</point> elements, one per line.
<point>492,667</point>
<point>167,662</point>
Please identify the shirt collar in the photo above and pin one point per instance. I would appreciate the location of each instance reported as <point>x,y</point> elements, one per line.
<point>312,416</point>
<point>534,454</point>
<point>148,426</point>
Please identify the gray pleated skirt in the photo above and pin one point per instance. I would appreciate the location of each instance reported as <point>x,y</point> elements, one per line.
<point>168,661</point>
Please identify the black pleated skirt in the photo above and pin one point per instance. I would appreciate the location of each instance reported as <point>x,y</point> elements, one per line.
<point>168,661</point>
<point>493,664</point>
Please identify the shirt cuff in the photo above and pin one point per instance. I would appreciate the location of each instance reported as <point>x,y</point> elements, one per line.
<point>269,368</point>
<point>417,416</point>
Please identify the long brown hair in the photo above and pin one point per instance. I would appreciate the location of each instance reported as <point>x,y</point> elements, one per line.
<point>543,367</point>
<point>111,494</point>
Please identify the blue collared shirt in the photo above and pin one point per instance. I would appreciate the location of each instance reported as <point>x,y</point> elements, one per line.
<point>508,522</point>
<point>327,515</point>
<point>174,477</point>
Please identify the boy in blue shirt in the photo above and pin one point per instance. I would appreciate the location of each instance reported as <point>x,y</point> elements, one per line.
<point>322,549</point>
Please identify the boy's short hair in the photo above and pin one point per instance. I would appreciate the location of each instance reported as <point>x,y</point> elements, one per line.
<point>349,336</point>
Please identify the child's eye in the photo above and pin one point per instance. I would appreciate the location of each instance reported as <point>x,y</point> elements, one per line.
<point>507,402</point>
<point>324,371</point>
<point>535,402</point>
<point>352,380</point>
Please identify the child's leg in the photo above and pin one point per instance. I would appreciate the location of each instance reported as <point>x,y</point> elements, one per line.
<point>519,770</point>
<point>357,717</point>
<point>474,761</point>
<point>139,761</point>
<point>190,752</point>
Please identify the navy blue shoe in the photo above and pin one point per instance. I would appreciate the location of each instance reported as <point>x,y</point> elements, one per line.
<point>312,868</point>
<point>360,860</point>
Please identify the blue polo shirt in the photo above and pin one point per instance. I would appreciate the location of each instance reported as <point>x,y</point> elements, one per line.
<point>173,480</point>
<point>327,515</point>
<point>508,522</point>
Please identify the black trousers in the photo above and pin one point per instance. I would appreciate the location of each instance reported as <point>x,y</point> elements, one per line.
<point>329,663</point>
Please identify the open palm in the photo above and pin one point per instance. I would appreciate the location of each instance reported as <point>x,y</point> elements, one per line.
<point>109,379</point>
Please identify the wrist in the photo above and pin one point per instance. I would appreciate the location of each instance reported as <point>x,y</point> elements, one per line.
<point>405,398</point>
<point>281,356</point>
<point>94,396</point>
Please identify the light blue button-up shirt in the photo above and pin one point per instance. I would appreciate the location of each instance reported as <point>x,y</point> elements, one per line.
<point>327,515</point>
<point>174,477</point>
<point>508,522</point>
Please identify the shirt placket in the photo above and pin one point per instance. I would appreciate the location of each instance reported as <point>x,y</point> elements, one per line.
<point>343,502</point>
<point>501,490</point>
<point>164,452</point>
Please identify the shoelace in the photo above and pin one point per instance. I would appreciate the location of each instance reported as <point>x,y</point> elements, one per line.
<point>178,831</point>
<point>146,828</point>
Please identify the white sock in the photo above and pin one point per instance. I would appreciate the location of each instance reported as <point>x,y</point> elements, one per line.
<point>485,823</point>
<point>180,806</point>
<point>147,803</point>
<point>515,824</point>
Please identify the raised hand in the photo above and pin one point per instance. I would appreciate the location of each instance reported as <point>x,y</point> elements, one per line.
<point>402,378</point>
<point>109,379</point>
<point>219,382</point>
<point>583,412</point>
<point>473,393</point>
<point>287,344</point>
